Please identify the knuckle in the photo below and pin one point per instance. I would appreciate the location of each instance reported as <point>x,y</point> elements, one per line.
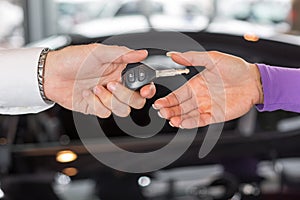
<point>213,53</point>
<point>124,49</point>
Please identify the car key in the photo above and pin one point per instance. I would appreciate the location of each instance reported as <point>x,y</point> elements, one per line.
<point>137,75</point>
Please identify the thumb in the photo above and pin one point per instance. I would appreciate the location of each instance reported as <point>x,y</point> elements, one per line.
<point>117,54</point>
<point>192,58</point>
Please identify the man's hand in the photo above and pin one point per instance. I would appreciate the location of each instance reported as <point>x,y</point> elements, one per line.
<point>227,89</point>
<point>87,79</point>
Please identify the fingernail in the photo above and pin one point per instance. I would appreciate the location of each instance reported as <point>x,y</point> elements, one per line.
<point>159,114</point>
<point>152,85</point>
<point>181,127</point>
<point>112,86</point>
<point>170,53</point>
<point>171,124</point>
<point>142,51</point>
<point>154,107</point>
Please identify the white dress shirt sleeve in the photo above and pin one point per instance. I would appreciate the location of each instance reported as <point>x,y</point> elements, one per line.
<point>19,91</point>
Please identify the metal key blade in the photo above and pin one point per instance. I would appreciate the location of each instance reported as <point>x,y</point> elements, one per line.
<point>171,72</point>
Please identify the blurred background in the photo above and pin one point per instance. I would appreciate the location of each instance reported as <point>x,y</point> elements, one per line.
<point>257,156</point>
<point>23,22</point>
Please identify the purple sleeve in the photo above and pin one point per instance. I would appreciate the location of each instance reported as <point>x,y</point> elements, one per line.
<point>281,88</point>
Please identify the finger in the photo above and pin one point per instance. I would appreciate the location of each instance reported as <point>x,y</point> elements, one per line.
<point>175,98</point>
<point>119,54</point>
<point>127,96</point>
<point>191,120</point>
<point>148,91</point>
<point>195,122</point>
<point>112,103</point>
<point>94,106</point>
<point>179,110</point>
<point>193,58</point>
<point>133,57</point>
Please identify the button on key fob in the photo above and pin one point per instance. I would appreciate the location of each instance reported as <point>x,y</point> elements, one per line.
<point>137,75</point>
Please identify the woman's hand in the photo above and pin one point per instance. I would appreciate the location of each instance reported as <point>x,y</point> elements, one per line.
<point>227,89</point>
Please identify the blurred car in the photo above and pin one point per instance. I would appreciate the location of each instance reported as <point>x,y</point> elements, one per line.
<point>123,16</point>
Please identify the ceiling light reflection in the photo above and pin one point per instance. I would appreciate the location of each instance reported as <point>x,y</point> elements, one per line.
<point>70,171</point>
<point>251,37</point>
<point>144,181</point>
<point>62,179</point>
<point>66,156</point>
<point>1,194</point>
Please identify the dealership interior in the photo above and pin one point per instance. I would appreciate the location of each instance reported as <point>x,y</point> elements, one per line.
<point>141,157</point>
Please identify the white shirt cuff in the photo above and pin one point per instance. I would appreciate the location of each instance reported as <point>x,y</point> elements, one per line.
<point>19,91</point>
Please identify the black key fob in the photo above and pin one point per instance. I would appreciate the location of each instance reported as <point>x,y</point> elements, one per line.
<point>137,75</point>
